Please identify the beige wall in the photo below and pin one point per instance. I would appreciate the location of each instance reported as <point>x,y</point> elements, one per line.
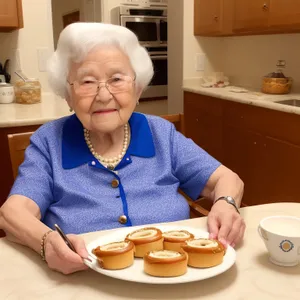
<point>60,8</point>
<point>211,47</point>
<point>37,33</point>
<point>183,47</point>
<point>246,59</point>
<point>90,11</point>
<point>107,6</point>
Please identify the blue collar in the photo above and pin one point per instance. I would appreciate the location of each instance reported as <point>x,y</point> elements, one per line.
<point>76,153</point>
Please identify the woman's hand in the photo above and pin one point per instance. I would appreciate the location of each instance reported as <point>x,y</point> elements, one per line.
<point>225,224</point>
<point>61,258</point>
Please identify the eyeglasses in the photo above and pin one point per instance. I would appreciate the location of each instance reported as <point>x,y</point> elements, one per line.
<point>90,87</point>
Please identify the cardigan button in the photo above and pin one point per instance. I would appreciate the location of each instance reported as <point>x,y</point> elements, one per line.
<point>115,183</point>
<point>123,219</point>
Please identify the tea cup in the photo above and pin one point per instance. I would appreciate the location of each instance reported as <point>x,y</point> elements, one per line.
<point>281,235</point>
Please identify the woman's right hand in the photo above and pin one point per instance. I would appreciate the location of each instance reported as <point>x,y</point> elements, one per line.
<point>61,258</point>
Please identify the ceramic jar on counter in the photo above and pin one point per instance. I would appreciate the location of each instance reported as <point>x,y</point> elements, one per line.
<point>7,94</point>
<point>28,92</point>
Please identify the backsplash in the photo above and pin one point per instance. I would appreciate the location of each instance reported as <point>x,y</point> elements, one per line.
<point>246,59</point>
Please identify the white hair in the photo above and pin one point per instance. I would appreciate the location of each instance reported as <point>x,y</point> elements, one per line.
<point>78,39</point>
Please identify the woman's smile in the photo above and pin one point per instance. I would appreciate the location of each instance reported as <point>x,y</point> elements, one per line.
<point>105,111</point>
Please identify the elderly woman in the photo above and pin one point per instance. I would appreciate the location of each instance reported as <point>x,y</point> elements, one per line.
<point>105,166</point>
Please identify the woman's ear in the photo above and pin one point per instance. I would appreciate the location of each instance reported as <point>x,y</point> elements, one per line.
<point>68,99</point>
<point>139,91</point>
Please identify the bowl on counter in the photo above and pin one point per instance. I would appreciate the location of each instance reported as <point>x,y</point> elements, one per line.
<point>7,93</point>
<point>277,86</point>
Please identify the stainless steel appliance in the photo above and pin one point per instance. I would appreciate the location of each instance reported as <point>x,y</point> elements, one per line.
<point>150,25</point>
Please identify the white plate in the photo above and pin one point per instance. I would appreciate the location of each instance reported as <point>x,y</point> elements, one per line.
<point>135,272</point>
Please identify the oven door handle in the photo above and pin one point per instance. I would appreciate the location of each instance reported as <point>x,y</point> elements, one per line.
<point>159,57</point>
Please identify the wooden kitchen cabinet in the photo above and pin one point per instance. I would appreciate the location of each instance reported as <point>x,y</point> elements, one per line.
<point>250,15</point>
<point>212,17</point>
<point>204,124</point>
<point>266,16</point>
<point>261,145</point>
<point>245,17</point>
<point>284,14</point>
<point>11,16</point>
<point>244,153</point>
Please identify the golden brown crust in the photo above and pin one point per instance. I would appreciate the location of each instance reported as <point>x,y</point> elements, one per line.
<point>111,249</point>
<point>204,253</point>
<point>144,235</point>
<point>165,265</point>
<point>164,260</point>
<point>112,257</point>
<point>186,246</point>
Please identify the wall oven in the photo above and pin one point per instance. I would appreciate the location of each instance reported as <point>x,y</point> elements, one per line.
<point>151,27</point>
<point>149,24</point>
<point>158,87</point>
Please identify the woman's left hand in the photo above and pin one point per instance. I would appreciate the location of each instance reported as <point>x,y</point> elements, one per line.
<point>225,224</point>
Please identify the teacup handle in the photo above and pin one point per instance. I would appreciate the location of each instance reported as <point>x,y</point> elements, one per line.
<point>260,233</point>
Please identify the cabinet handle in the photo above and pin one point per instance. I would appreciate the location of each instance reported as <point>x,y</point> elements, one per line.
<point>216,18</point>
<point>265,7</point>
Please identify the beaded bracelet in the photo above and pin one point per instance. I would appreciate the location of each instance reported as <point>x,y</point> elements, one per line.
<point>43,245</point>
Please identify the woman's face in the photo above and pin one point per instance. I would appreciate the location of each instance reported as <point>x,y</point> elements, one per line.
<point>103,111</point>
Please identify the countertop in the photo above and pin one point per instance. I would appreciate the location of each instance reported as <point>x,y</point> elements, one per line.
<point>50,108</point>
<point>252,97</point>
<point>25,276</point>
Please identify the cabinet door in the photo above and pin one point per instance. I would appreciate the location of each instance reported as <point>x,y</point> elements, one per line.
<point>285,14</point>
<point>207,17</point>
<point>203,122</point>
<point>245,154</point>
<point>250,15</point>
<point>283,165</point>
<point>8,13</point>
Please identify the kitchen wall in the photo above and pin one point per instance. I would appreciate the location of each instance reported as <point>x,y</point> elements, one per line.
<point>246,59</point>
<point>183,47</point>
<point>90,10</point>
<point>60,8</point>
<point>37,33</point>
<point>107,6</point>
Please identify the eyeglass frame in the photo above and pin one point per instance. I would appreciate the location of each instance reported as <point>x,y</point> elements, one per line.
<point>105,84</point>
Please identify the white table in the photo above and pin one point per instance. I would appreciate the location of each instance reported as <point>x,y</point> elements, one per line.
<point>23,276</point>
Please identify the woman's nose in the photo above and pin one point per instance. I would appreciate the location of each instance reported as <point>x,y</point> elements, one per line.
<point>103,93</point>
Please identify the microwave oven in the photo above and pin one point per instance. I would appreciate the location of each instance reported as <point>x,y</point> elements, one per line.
<point>149,24</point>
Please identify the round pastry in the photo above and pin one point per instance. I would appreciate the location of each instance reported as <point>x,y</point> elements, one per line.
<point>204,253</point>
<point>115,256</point>
<point>175,238</point>
<point>165,263</point>
<point>145,240</point>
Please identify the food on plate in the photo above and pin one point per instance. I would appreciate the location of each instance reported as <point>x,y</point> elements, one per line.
<point>145,240</point>
<point>204,253</point>
<point>165,263</point>
<point>175,238</point>
<point>116,255</point>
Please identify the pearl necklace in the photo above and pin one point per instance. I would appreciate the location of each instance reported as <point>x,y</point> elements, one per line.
<point>112,162</point>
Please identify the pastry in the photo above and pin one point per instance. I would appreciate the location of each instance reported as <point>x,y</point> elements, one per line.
<point>115,256</point>
<point>204,253</point>
<point>175,238</point>
<point>165,263</point>
<point>145,240</point>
